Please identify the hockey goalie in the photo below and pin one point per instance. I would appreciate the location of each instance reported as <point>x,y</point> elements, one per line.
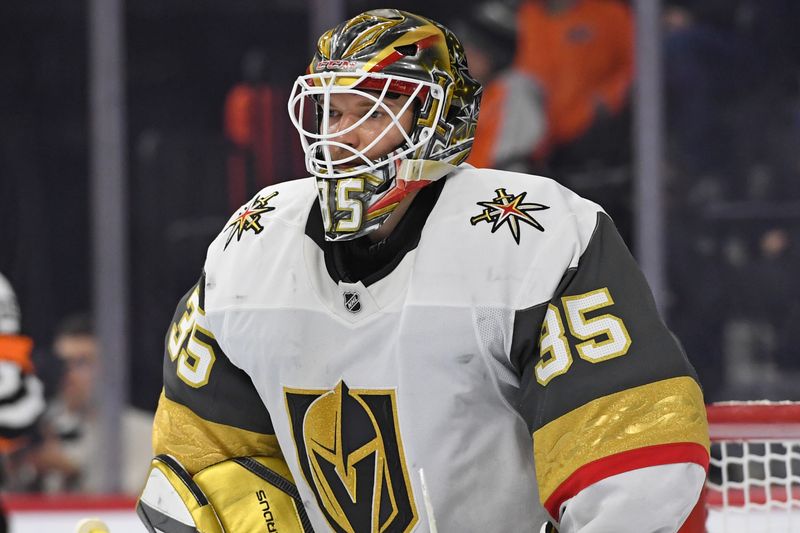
<point>402,342</point>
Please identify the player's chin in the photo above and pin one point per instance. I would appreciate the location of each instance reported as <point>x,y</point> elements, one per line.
<point>350,164</point>
<point>345,167</point>
<point>343,161</point>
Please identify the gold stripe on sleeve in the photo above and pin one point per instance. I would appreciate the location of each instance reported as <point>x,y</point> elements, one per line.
<point>665,412</point>
<point>197,443</point>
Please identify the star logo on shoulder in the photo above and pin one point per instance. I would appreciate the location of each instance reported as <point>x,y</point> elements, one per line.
<point>249,219</point>
<point>509,209</point>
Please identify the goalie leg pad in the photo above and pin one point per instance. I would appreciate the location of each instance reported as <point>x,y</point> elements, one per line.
<point>255,494</point>
<point>172,502</point>
<point>238,495</point>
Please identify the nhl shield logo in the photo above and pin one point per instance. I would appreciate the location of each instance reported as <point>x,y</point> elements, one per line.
<point>352,302</point>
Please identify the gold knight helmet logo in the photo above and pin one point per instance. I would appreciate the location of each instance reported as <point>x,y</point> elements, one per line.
<point>349,448</point>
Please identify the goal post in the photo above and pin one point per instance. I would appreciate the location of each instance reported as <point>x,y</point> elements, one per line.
<point>753,481</point>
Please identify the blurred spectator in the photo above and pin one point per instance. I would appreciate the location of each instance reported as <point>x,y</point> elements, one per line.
<point>731,72</point>
<point>771,28</point>
<point>512,123</point>
<point>21,398</point>
<point>264,149</point>
<point>709,70</point>
<point>769,287</point>
<point>731,68</point>
<point>706,71</point>
<point>581,52</point>
<point>21,393</point>
<point>64,461</point>
<point>699,282</point>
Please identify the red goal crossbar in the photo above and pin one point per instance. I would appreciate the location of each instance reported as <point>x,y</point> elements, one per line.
<point>755,465</point>
<point>754,421</point>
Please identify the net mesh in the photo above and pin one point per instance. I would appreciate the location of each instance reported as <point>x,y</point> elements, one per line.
<point>754,473</point>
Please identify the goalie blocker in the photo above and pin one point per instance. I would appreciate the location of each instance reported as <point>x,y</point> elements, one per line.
<point>234,496</point>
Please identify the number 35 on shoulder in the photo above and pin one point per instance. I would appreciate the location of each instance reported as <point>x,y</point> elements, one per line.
<point>603,336</point>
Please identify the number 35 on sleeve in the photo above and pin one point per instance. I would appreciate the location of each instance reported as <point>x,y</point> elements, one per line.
<point>604,337</point>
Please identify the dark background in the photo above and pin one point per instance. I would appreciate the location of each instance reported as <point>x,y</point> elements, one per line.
<point>733,118</point>
<point>182,57</point>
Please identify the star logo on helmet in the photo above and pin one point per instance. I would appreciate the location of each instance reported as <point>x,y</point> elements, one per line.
<point>468,120</point>
<point>249,219</point>
<point>509,209</point>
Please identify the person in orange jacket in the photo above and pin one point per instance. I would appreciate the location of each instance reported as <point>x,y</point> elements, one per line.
<point>259,134</point>
<point>581,52</point>
<point>513,121</point>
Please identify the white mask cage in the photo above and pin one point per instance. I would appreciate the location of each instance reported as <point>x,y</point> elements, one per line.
<point>317,145</point>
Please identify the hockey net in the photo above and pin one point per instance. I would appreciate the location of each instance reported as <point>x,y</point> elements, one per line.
<point>754,475</point>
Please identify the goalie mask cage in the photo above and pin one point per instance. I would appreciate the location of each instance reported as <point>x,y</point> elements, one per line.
<point>753,482</point>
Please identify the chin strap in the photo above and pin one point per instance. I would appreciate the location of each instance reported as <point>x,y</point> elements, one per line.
<point>404,176</point>
<point>413,174</point>
<point>423,170</point>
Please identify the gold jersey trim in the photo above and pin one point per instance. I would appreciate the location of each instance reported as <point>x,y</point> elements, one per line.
<point>664,412</point>
<point>197,443</point>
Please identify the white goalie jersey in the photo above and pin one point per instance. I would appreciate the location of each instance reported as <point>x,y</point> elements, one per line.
<point>503,366</point>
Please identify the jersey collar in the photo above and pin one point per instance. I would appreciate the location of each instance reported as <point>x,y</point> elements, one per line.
<point>367,261</point>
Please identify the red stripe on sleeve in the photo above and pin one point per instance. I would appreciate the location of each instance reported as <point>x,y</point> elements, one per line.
<point>588,474</point>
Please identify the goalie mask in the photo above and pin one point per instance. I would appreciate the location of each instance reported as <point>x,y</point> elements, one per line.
<point>381,56</point>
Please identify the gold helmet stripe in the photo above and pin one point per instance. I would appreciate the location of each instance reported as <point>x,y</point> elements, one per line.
<point>383,211</point>
<point>370,35</point>
<point>410,37</point>
<point>324,44</point>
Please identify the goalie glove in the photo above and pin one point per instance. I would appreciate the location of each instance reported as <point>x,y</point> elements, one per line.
<point>234,496</point>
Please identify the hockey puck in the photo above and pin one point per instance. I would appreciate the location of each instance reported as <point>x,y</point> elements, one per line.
<point>91,525</point>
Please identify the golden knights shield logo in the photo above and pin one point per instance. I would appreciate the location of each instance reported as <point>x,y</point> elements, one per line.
<point>349,448</point>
